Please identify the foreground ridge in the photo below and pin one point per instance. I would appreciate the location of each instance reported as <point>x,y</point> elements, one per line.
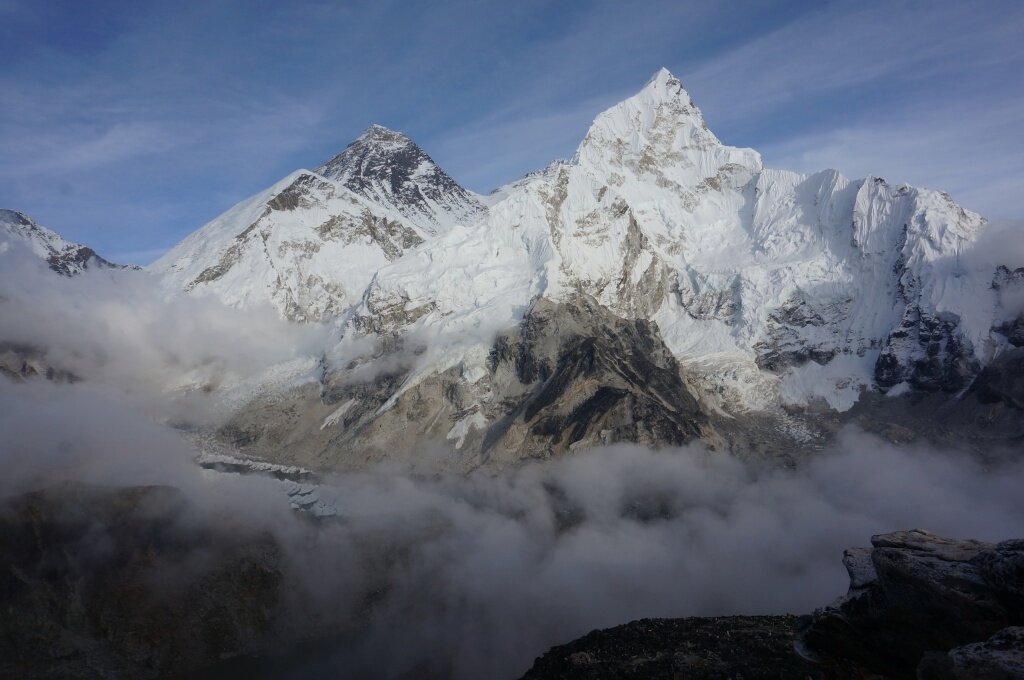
<point>919,606</point>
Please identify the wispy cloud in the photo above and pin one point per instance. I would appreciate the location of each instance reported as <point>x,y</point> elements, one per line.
<point>130,130</point>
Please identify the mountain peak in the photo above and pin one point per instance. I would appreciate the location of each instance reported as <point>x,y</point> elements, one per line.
<point>14,217</point>
<point>664,88</point>
<point>376,147</point>
<point>388,168</point>
<point>665,83</point>
<point>378,134</point>
<point>62,256</point>
<point>659,121</point>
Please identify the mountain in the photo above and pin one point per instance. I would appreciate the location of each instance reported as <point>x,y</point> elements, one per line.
<point>311,243</point>
<point>63,257</point>
<point>769,284</point>
<point>387,168</point>
<point>660,286</point>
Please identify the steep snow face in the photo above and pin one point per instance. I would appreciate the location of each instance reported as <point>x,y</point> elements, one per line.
<point>62,256</point>
<point>767,285</point>
<point>388,169</point>
<point>821,285</point>
<point>310,244</point>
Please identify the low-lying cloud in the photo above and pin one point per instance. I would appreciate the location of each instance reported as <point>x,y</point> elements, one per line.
<point>463,576</point>
<point>475,575</point>
<point>120,328</point>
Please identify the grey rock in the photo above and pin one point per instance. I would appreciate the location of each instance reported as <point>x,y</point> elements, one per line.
<point>1001,657</point>
<point>748,647</point>
<point>927,593</point>
<point>119,582</point>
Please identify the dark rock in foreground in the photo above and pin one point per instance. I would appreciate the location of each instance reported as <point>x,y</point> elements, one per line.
<point>913,594</point>
<point>118,582</point>
<point>919,606</point>
<point>748,647</point>
<point>1001,657</point>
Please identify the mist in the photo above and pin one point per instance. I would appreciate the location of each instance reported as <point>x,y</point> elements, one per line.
<point>475,575</point>
<point>445,575</point>
<point>122,330</point>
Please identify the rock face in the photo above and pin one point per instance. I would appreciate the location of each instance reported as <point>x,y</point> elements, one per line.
<point>919,606</point>
<point>916,596</point>
<point>748,647</point>
<point>714,286</point>
<point>387,168</point>
<point>98,582</point>
<point>770,290</point>
<point>570,375</point>
<point>1001,657</point>
<point>63,257</point>
<point>819,285</point>
<point>310,244</point>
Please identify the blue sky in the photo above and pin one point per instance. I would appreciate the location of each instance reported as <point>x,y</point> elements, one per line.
<point>126,125</point>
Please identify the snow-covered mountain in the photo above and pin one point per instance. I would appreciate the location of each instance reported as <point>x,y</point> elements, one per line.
<point>828,283</point>
<point>311,243</point>
<point>509,330</point>
<point>62,256</point>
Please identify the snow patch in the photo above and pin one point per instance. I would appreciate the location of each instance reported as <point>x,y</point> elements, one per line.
<point>461,429</point>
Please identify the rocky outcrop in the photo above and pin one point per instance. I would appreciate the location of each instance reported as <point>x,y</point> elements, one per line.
<point>917,599</point>
<point>117,582</point>
<point>928,351</point>
<point>919,606</point>
<point>1001,657</point>
<point>572,375</point>
<point>580,376</point>
<point>20,361</point>
<point>748,647</point>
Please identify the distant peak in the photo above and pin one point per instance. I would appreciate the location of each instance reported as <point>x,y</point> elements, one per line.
<point>15,217</point>
<point>661,76</point>
<point>386,166</point>
<point>379,133</point>
<point>664,85</point>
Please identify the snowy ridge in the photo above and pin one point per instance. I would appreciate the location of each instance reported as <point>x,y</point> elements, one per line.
<point>772,286</point>
<point>810,278</point>
<point>388,169</point>
<point>310,244</point>
<point>62,256</point>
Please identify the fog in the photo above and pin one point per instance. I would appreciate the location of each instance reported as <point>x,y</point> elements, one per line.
<point>1000,244</point>
<point>463,576</point>
<point>474,575</point>
<point>119,327</point>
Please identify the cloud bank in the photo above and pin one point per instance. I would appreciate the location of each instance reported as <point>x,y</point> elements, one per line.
<point>440,575</point>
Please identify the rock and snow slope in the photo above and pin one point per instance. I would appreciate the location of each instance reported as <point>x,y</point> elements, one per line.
<point>62,256</point>
<point>765,288</point>
<point>771,283</point>
<point>311,243</point>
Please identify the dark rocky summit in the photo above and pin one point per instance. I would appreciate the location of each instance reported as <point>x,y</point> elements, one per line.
<point>386,166</point>
<point>67,259</point>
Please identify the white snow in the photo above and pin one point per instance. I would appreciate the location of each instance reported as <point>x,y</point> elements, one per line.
<point>655,218</point>
<point>461,429</point>
<point>338,413</point>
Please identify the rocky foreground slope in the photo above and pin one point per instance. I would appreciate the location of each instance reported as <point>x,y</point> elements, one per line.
<point>919,606</point>
<point>99,582</point>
